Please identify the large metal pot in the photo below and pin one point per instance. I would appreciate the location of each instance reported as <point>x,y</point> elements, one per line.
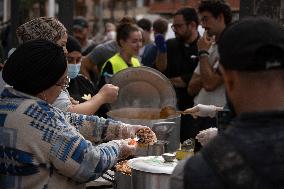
<point>142,180</point>
<point>150,172</point>
<point>151,117</point>
<point>122,181</point>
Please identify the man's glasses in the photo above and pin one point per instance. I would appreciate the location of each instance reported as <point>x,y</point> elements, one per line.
<point>65,84</point>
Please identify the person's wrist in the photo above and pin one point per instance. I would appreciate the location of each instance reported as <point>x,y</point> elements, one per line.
<point>203,53</point>
<point>100,98</point>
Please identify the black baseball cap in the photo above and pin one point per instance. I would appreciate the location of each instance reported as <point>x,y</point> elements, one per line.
<point>252,44</point>
<point>80,23</point>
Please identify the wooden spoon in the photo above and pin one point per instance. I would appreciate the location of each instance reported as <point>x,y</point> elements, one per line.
<point>168,111</point>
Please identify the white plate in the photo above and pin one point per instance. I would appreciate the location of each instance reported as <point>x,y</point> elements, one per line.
<point>143,87</point>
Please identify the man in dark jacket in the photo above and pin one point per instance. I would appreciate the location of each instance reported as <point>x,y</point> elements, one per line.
<point>249,154</point>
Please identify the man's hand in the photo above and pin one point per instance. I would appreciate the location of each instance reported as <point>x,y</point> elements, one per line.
<point>160,43</point>
<point>205,42</point>
<point>125,148</point>
<point>206,135</point>
<point>145,134</point>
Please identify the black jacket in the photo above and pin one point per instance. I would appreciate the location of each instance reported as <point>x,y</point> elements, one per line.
<point>249,154</point>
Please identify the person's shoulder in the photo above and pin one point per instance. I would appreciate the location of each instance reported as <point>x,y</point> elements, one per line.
<point>111,45</point>
<point>101,47</point>
<point>79,78</point>
<point>197,170</point>
<point>187,171</point>
<point>150,48</point>
<point>107,47</point>
<point>63,101</point>
<point>37,108</point>
<point>173,43</point>
<point>194,163</point>
<point>107,44</point>
<point>79,83</point>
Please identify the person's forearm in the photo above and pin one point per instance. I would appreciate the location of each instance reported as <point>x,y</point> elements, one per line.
<point>210,79</point>
<point>94,128</point>
<point>178,82</point>
<point>88,107</point>
<point>88,161</point>
<point>161,62</point>
<point>195,85</point>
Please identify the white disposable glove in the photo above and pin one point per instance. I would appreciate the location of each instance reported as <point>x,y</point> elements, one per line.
<point>125,148</point>
<point>206,135</point>
<point>201,110</point>
<point>145,134</point>
<point>119,130</point>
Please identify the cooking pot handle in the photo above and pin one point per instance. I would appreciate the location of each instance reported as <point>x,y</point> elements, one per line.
<point>163,128</point>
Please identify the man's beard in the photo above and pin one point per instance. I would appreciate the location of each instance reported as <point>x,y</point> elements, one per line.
<point>182,38</point>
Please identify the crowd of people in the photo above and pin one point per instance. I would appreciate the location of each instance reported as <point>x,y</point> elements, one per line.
<point>55,94</point>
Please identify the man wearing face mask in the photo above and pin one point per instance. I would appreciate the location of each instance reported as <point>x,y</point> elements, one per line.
<point>110,30</point>
<point>80,87</point>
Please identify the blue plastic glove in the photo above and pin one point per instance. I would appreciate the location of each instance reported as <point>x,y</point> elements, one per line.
<point>160,43</point>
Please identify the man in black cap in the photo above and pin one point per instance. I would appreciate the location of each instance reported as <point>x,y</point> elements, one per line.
<point>249,154</point>
<point>81,33</point>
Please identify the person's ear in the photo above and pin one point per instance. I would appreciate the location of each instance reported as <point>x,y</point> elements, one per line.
<point>230,79</point>
<point>221,18</point>
<point>121,42</point>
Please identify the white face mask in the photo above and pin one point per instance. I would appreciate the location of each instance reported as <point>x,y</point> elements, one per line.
<point>73,70</point>
<point>111,35</point>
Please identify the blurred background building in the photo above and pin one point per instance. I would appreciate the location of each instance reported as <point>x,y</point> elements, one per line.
<point>98,12</point>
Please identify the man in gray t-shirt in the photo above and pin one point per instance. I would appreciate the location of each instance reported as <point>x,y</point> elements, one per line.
<point>97,57</point>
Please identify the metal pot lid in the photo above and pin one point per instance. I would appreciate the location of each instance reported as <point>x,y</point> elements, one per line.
<point>152,164</point>
<point>143,87</point>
